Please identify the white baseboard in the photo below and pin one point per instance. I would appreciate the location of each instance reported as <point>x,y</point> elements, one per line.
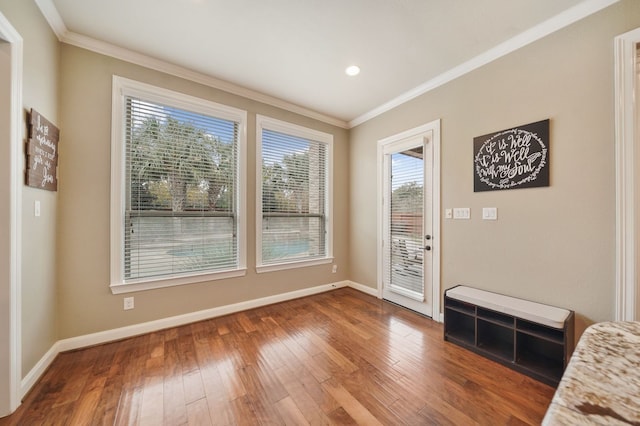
<point>151,326</point>
<point>38,370</point>
<point>147,327</point>
<point>364,288</point>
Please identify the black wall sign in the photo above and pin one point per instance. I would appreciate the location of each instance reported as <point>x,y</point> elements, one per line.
<point>514,158</point>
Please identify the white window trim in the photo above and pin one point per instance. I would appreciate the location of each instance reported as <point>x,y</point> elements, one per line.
<point>263,122</point>
<point>123,87</point>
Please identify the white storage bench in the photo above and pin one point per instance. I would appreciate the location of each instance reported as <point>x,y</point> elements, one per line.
<point>532,338</point>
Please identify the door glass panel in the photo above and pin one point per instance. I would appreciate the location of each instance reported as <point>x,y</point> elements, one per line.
<point>406,224</point>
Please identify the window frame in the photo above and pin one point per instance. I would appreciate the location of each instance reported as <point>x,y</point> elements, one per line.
<point>121,89</point>
<point>275,125</point>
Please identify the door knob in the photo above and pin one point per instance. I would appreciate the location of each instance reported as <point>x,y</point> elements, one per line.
<point>427,248</point>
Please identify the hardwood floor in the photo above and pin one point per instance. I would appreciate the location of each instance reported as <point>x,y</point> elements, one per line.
<point>340,357</point>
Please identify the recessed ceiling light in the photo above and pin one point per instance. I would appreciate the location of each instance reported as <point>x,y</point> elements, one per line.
<point>352,70</point>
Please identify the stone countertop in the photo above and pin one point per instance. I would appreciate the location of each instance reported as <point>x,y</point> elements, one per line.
<point>601,385</point>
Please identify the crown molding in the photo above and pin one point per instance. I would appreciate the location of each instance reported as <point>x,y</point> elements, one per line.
<point>146,61</point>
<point>50,13</point>
<point>529,36</point>
<point>56,23</point>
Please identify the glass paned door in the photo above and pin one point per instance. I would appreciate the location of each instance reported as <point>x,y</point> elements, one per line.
<point>406,228</point>
<point>406,223</point>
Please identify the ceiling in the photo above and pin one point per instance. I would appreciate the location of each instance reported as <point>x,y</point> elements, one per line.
<point>297,50</point>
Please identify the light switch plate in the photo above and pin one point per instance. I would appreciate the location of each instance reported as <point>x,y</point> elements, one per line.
<point>462,213</point>
<point>490,213</point>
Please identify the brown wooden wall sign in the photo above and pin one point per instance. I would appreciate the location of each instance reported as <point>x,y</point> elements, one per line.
<point>42,153</point>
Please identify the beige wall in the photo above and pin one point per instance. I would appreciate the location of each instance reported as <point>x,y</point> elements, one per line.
<point>40,91</point>
<point>553,245</point>
<point>86,304</point>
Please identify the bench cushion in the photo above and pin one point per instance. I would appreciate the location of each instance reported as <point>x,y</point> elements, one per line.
<point>531,311</point>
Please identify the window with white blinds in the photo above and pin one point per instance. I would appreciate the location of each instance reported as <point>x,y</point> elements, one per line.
<point>405,267</point>
<point>294,175</point>
<point>179,188</point>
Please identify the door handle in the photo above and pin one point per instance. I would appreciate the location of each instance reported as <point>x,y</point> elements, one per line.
<point>427,248</point>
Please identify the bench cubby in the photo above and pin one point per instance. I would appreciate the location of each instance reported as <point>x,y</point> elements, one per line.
<point>529,337</point>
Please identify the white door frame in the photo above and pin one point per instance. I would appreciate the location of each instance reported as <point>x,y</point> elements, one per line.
<point>11,199</point>
<point>434,128</point>
<point>626,166</point>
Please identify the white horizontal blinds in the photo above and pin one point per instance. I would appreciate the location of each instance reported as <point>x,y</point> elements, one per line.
<point>294,175</point>
<point>181,180</point>
<point>406,224</point>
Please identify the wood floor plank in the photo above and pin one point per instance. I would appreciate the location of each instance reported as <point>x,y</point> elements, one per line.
<point>300,396</point>
<point>351,405</point>
<point>75,380</point>
<point>175,412</point>
<point>193,385</point>
<point>340,417</point>
<point>319,371</point>
<point>341,357</point>
<point>217,396</point>
<point>129,407</point>
<point>198,413</point>
<point>243,412</point>
<point>128,411</point>
<point>290,413</point>
<point>152,407</point>
<point>226,369</point>
<point>86,405</point>
<point>247,325</point>
<point>106,409</point>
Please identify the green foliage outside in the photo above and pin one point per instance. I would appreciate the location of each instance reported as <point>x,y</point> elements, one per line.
<point>176,166</point>
<point>407,198</point>
<point>285,185</point>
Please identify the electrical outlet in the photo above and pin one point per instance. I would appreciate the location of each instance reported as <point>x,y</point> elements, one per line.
<point>335,269</point>
<point>128,303</point>
<point>36,208</point>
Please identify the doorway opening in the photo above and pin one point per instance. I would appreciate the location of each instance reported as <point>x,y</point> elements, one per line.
<point>409,219</point>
